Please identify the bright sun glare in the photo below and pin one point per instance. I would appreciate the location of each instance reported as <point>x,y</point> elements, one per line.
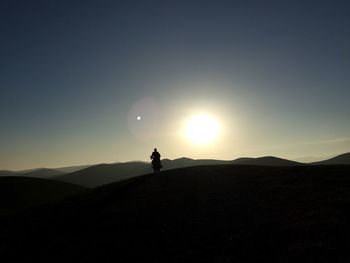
<point>202,129</point>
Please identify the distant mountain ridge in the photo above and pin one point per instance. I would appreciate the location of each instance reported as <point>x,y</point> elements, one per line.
<point>105,173</point>
<point>342,159</point>
<point>8,173</point>
<point>266,161</point>
<point>37,173</point>
<point>100,174</point>
<point>71,169</point>
<point>43,173</point>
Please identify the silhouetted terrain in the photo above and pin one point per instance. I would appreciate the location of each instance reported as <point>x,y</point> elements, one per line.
<point>71,169</point>
<point>101,174</point>
<point>340,159</point>
<point>107,173</point>
<point>97,175</point>
<point>39,173</point>
<point>217,213</point>
<point>43,173</point>
<point>186,162</point>
<point>22,192</point>
<point>7,173</point>
<point>266,161</point>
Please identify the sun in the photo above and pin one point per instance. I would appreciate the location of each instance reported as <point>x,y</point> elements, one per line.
<point>202,129</point>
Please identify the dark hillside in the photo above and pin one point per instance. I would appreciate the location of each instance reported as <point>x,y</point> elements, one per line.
<point>21,192</point>
<point>108,173</point>
<point>337,160</point>
<point>224,213</point>
<point>7,173</point>
<point>43,173</point>
<point>266,161</point>
<point>105,173</point>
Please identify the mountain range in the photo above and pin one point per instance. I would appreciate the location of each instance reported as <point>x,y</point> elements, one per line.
<point>95,175</point>
<point>343,159</point>
<point>44,172</point>
<point>107,173</point>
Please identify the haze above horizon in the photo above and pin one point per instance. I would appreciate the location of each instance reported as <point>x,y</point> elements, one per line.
<point>107,81</point>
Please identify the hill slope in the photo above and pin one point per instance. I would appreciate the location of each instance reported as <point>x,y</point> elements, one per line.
<point>43,173</point>
<point>38,173</point>
<point>340,159</point>
<point>186,162</point>
<point>72,169</point>
<point>105,173</point>
<point>7,173</point>
<point>20,192</point>
<point>224,213</point>
<point>266,161</point>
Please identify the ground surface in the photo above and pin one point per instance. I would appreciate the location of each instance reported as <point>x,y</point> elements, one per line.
<point>196,214</point>
<point>17,192</point>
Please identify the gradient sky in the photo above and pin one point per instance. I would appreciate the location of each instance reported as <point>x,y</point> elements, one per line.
<point>76,74</point>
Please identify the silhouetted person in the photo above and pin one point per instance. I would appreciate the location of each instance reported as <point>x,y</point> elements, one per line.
<point>155,157</point>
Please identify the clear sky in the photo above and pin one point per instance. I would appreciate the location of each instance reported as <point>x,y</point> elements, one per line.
<point>107,81</point>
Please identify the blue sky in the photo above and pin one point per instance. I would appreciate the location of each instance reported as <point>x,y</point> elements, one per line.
<point>74,75</point>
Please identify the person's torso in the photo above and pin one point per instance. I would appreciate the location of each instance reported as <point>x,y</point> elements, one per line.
<point>156,155</point>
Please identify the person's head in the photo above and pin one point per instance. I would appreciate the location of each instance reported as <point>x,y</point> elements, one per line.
<point>155,149</point>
